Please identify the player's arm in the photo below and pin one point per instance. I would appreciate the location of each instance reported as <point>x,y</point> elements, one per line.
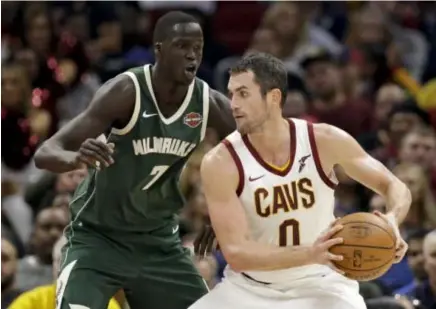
<point>339,148</point>
<point>220,180</point>
<point>76,144</point>
<point>220,114</point>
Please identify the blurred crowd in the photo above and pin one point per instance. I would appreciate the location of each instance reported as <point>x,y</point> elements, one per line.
<point>366,67</point>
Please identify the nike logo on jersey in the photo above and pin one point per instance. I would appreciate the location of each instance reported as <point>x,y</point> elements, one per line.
<point>145,115</point>
<point>255,178</point>
<point>302,163</point>
<point>175,229</point>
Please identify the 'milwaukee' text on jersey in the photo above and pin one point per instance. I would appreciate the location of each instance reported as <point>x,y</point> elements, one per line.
<point>164,145</point>
<point>140,191</point>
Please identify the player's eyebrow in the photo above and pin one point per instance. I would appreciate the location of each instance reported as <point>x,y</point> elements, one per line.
<point>230,91</point>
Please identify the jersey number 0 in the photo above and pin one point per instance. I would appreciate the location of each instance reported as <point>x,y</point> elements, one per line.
<point>283,232</point>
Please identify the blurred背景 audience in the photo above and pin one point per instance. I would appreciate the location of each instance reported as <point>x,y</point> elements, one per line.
<point>36,268</point>
<point>367,67</point>
<point>9,272</point>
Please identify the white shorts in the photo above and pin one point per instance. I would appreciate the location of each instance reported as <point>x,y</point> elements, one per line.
<point>238,292</point>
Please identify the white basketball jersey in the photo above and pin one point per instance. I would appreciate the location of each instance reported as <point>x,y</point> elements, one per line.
<point>288,206</point>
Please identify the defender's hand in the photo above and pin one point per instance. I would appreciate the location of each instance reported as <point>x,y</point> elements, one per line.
<point>400,244</point>
<point>320,248</point>
<point>95,153</point>
<point>205,242</point>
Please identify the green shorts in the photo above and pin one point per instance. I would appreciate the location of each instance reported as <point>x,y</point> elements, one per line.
<point>154,273</point>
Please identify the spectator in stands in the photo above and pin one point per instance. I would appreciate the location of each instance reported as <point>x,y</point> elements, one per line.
<point>422,211</point>
<point>419,146</point>
<point>387,97</point>
<point>36,269</point>
<point>426,291</point>
<point>44,297</point>
<point>9,269</point>
<point>371,26</point>
<point>64,183</point>
<point>78,82</point>
<point>384,143</point>
<point>296,106</point>
<point>377,141</point>
<point>403,118</point>
<point>62,200</point>
<point>298,33</point>
<point>415,258</point>
<point>23,126</point>
<point>266,40</point>
<point>330,104</point>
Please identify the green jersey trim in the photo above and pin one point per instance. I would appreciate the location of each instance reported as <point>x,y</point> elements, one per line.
<point>182,108</point>
<point>136,109</point>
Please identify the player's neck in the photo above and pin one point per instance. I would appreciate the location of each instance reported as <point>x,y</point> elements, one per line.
<point>271,135</point>
<point>165,89</point>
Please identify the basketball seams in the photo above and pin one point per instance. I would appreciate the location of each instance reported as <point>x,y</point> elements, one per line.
<point>364,246</point>
<point>381,228</point>
<point>373,224</point>
<point>366,222</point>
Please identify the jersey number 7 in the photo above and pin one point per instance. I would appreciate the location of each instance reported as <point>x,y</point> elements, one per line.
<point>155,174</point>
<point>283,232</point>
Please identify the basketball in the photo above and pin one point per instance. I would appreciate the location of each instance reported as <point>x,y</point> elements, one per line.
<point>368,248</point>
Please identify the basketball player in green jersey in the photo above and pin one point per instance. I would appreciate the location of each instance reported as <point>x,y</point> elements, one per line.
<point>124,231</point>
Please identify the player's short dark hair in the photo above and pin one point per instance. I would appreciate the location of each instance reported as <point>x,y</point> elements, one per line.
<point>269,72</point>
<point>165,24</point>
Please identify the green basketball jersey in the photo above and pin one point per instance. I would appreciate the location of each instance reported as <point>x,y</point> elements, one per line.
<point>139,192</point>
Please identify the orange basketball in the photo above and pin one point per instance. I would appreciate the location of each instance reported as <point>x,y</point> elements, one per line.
<point>368,247</point>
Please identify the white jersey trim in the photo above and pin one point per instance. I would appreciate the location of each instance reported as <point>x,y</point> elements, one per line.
<point>129,126</point>
<point>182,108</point>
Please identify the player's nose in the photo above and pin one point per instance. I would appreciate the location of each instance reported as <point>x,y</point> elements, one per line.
<point>190,55</point>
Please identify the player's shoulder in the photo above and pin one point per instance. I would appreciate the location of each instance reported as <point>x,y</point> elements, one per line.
<point>220,158</point>
<point>121,84</point>
<point>327,132</point>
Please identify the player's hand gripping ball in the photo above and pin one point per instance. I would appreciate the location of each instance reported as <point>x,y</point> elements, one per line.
<point>206,241</point>
<point>369,246</point>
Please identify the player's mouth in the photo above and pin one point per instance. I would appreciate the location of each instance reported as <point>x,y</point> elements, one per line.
<point>191,70</point>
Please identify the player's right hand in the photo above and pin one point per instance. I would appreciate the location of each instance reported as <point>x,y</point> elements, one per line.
<point>95,153</point>
<point>322,245</point>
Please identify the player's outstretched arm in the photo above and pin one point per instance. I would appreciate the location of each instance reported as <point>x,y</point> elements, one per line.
<point>220,114</point>
<point>220,180</point>
<point>337,147</point>
<point>76,144</point>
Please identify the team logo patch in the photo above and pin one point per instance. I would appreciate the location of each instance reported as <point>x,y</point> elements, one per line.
<point>193,120</point>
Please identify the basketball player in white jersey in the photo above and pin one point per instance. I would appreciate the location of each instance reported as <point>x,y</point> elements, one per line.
<point>270,192</point>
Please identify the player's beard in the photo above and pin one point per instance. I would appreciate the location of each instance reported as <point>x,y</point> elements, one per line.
<point>257,125</point>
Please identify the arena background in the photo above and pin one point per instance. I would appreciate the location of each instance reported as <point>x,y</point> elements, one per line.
<point>368,68</point>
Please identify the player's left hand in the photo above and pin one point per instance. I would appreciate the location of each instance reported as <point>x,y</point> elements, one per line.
<point>205,242</point>
<point>400,245</point>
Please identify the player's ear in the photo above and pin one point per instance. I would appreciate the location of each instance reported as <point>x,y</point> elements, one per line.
<point>157,49</point>
<point>276,96</point>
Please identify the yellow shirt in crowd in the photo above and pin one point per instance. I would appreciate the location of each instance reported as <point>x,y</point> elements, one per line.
<point>44,297</point>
